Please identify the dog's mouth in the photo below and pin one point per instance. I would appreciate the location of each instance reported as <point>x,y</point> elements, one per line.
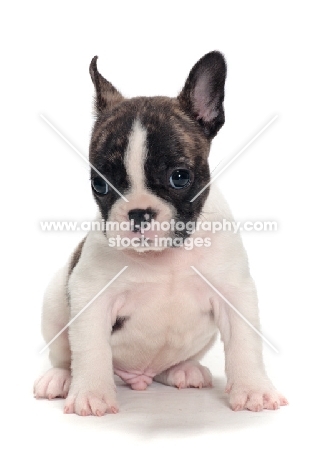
<point>145,233</point>
<point>141,241</point>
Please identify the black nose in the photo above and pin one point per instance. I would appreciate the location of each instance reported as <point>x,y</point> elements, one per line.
<point>138,217</point>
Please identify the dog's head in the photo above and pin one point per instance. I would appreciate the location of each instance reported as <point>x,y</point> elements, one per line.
<point>153,154</point>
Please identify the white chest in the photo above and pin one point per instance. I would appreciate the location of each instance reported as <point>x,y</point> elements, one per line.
<point>167,320</point>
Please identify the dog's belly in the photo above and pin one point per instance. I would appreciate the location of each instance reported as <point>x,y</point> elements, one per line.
<point>164,326</point>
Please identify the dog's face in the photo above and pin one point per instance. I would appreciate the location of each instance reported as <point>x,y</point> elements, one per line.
<point>154,152</point>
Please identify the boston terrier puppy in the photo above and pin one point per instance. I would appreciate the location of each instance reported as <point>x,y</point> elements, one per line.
<point>146,295</point>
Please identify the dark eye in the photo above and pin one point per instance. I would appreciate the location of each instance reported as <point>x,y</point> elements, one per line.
<point>99,185</point>
<point>180,178</point>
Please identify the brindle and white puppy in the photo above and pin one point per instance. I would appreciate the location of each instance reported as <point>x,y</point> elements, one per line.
<point>157,319</point>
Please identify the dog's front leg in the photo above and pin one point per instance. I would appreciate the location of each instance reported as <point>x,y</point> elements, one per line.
<point>92,389</point>
<point>247,381</point>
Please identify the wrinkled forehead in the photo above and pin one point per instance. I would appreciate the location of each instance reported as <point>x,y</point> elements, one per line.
<point>158,130</point>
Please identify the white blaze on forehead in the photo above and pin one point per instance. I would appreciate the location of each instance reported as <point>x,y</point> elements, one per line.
<point>135,156</point>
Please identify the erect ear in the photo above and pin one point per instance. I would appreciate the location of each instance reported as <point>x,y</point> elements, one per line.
<point>106,96</point>
<point>203,93</point>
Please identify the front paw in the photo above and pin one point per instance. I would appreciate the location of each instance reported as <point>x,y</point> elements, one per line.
<point>53,384</point>
<point>88,402</point>
<point>255,396</point>
<point>188,374</point>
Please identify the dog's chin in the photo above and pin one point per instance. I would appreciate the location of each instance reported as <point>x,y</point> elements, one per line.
<point>152,250</point>
<point>147,250</point>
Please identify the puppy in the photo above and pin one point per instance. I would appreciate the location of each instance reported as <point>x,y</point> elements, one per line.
<point>155,319</point>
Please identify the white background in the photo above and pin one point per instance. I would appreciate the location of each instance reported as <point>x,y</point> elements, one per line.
<point>148,48</point>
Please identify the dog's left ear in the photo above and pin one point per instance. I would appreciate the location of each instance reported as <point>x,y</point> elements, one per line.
<point>203,93</point>
<point>106,95</point>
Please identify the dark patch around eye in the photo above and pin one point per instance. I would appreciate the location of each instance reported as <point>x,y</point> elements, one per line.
<point>107,151</point>
<point>170,148</point>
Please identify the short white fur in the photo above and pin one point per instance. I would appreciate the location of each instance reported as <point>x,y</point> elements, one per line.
<point>135,156</point>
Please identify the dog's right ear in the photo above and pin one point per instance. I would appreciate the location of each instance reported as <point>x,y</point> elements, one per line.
<point>106,96</point>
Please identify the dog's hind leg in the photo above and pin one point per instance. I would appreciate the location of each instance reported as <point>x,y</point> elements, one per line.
<point>186,374</point>
<point>55,316</point>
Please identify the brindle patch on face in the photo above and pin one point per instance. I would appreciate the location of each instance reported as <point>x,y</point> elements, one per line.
<point>174,140</point>
<point>107,149</point>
